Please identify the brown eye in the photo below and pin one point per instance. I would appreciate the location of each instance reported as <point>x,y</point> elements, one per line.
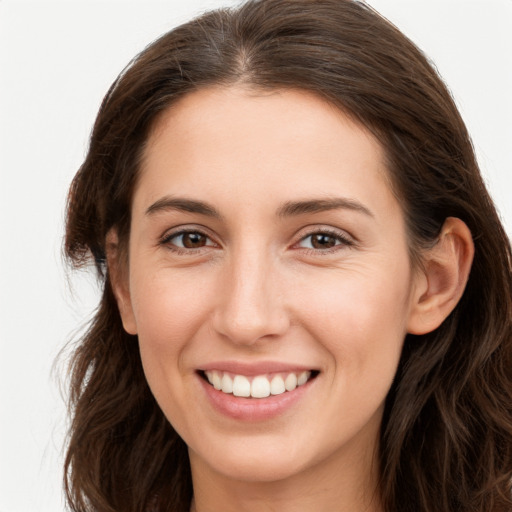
<point>324,241</point>
<point>193,240</point>
<point>188,240</point>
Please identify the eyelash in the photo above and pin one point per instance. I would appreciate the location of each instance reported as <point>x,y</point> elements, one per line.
<point>341,241</point>
<point>166,241</point>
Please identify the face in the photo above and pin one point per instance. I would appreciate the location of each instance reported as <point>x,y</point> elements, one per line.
<point>268,258</point>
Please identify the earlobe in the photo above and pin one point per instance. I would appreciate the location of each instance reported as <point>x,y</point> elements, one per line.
<point>117,272</point>
<point>445,272</point>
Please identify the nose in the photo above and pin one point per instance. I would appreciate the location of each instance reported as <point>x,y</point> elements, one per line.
<point>250,305</point>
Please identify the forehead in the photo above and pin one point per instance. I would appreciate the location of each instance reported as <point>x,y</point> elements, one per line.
<point>237,140</point>
<point>291,112</point>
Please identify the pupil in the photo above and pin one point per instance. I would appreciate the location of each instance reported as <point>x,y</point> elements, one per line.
<point>321,241</point>
<point>193,240</point>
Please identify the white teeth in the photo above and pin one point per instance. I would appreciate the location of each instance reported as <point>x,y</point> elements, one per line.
<point>277,385</point>
<point>259,387</point>
<point>227,384</point>
<point>290,382</point>
<point>303,378</point>
<point>241,386</point>
<point>216,380</point>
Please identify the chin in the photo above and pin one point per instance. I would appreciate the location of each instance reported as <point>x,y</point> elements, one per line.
<point>254,462</point>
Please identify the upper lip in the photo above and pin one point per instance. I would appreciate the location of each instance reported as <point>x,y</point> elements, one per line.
<point>254,368</point>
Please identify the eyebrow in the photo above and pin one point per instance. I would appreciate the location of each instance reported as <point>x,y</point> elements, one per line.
<point>288,209</point>
<point>293,208</point>
<point>183,204</point>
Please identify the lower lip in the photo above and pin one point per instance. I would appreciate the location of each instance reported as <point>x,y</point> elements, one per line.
<point>253,409</point>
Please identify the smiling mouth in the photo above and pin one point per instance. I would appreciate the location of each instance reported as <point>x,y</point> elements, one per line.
<point>260,386</point>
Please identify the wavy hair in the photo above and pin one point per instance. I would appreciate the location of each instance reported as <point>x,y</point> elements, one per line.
<point>446,435</point>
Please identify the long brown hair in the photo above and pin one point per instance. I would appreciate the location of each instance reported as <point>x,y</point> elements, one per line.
<point>446,436</point>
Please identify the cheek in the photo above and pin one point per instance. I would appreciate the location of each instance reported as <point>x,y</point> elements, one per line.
<point>169,310</point>
<point>361,318</point>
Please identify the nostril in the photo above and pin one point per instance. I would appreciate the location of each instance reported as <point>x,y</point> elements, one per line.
<point>247,329</point>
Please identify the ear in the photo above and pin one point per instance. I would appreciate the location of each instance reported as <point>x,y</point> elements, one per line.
<point>118,273</point>
<point>442,279</point>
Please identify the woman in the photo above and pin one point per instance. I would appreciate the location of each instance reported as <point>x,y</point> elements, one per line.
<point>307,289</point>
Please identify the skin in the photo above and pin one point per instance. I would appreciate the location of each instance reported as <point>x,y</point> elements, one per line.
<point>257,288</point>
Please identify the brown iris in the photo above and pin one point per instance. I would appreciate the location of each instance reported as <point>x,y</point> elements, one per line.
<point>193,240</point>
<point>322,241</point>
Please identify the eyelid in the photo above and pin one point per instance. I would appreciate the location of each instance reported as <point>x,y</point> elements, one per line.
<point>171,233</point>
<point>347,240</point>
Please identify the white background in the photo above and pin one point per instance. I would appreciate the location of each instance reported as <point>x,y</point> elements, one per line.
<point>57,59</point>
